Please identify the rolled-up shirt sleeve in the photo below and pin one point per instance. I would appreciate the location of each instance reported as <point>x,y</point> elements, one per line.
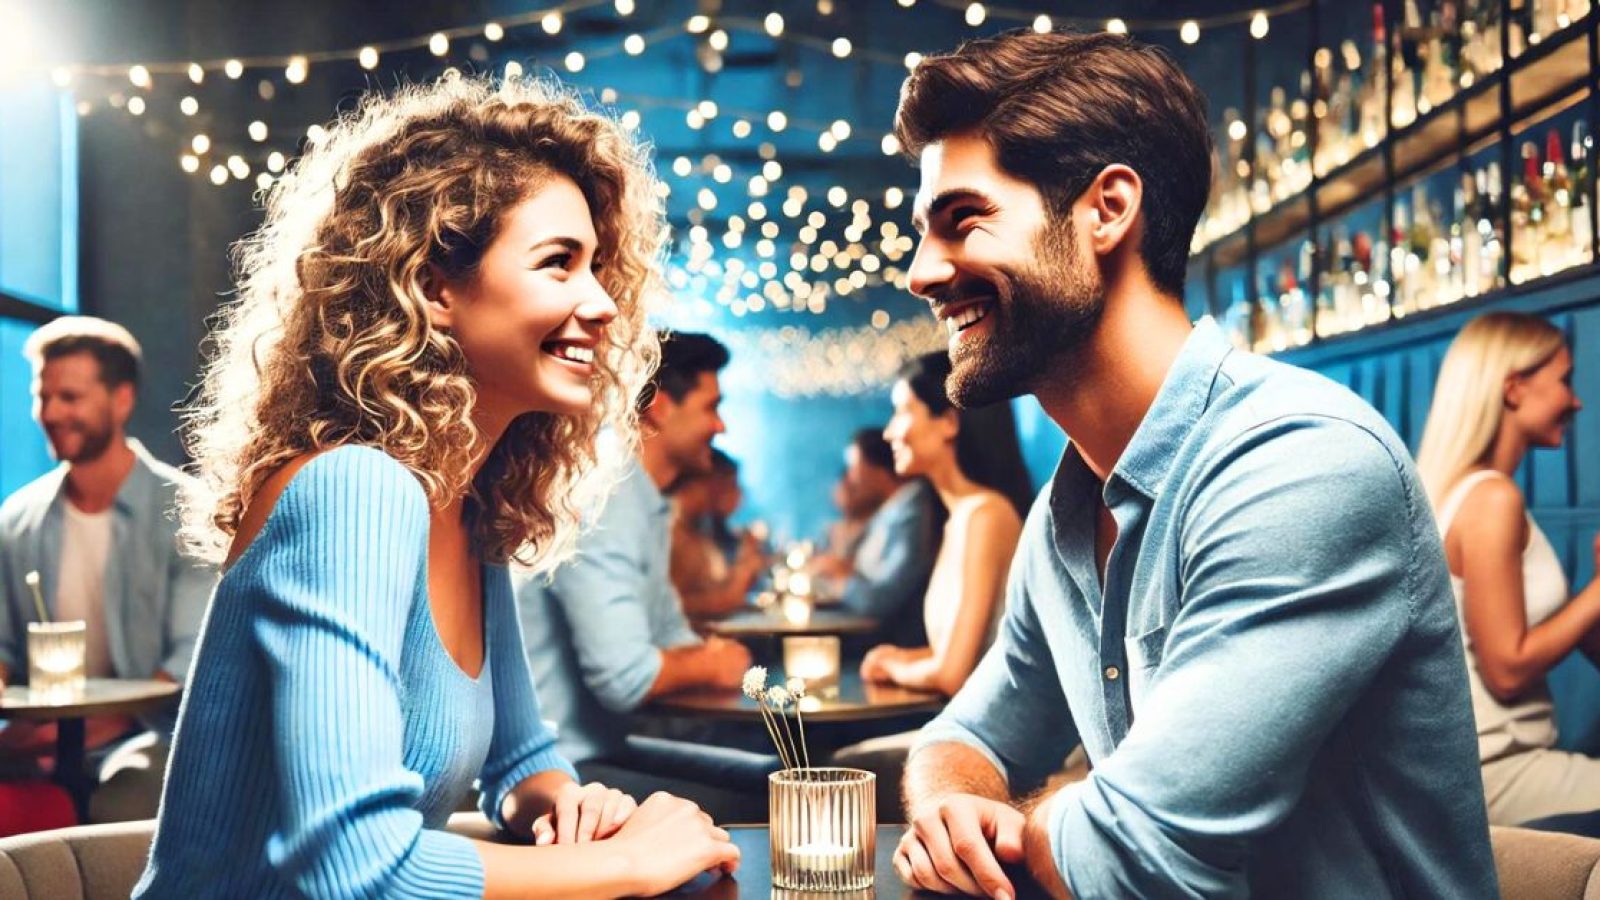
<point>1296,588</point>
<point>1011,709</point>
<point>892,562</point>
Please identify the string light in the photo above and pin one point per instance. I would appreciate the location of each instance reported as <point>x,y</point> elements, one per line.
<point>913,59</point>
<point>551,23</point>
<point>219,175</point>
<point>368,57</point>
<point>1258,25</point>
<point>275,161</point>
<point>633,44</point>
<point>1116,26</point>
<point>513,70</point>
<point>976,14</point>
<point>574,61</point>
<point>774,24</point>
<point>741,128</point>
<point>295,72</point>
<point>493,31</point>
<point>707,109</point>
<point>258,131</point>
<point>188,106</point>
<point>439,45</point>
<point>136,106</point>
<point>777,121</point>
<point>196,73</point>
<point>139,76</point>
<point>624,7</point>
<point>200,144</point>
<point>1043,25</point>
<point>841,47</point>
<point>718,40</point>
<point>233,69</point>
<point>698,24</point>
<point>189,162</point>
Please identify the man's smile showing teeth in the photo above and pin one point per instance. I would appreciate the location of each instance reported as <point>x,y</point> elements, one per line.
<point>571,353</point>
<point>966,318</point>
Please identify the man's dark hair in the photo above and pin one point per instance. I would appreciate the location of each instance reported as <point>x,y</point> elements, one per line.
<point>874,450</point>
<point>1060,107</point>
<point>113,348</point>
<point>685,356</point>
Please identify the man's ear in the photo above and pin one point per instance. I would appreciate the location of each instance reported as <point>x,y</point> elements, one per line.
<point>123,397</point>
<point>1114,198</point>
<point>660,407</point>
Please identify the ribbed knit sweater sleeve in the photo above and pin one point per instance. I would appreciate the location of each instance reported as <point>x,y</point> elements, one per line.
<point>523,743</point>
<point>344,550</point>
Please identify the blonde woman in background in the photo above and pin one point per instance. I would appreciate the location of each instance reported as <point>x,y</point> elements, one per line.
<point>1506,387</point>
<point>444,307</point>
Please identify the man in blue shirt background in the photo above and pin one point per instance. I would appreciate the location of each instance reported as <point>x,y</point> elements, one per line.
<point>98,531</point>
<point>887,575</point>
<point>1232,593</point>
<point>608,633</point>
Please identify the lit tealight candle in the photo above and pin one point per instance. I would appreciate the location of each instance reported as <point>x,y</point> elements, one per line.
<point>820,856</point>
<point>796,609</point>
<point>812,658</point>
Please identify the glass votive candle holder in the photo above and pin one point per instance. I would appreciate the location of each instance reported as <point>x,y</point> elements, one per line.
<point>813,659</point>
<point>56,659</point>
<point>824,828</point>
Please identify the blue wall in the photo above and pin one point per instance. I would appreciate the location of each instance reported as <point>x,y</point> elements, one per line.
<point>1395,370</point>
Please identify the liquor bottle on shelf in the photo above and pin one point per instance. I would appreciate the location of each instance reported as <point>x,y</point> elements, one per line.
<point>1491,215</point>
<point>1465,237</point>
<point>1403,260</point>
<point>1296,306</point>
<point>1480,39</point>
<point>1373,85</point>
<point>1527,216</point>
<point>1580,225</point>
<point>1404,59</point>
<point>1557,251</point>
<point>1438,68</point>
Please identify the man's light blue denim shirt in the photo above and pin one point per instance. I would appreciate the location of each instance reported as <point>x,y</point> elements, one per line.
<point>893,562</point>
<point>594,634</point>
<point>1270,685</point>
<point>155,596</point>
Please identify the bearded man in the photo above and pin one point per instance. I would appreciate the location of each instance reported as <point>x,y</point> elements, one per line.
<point>97,532</point>
<point>1232,593</point>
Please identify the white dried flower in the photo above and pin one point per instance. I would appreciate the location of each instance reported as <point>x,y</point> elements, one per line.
<point>797,686</point>
<point>778,696</point>
<point>31,579</point>
<point>755,681</point>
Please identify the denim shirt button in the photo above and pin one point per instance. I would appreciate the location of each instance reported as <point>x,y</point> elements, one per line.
<point>1113,673</point>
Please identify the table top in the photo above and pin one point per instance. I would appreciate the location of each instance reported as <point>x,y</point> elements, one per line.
<point>856,701</point>
<point>754,878</point>
<point>770,623</point>
<point>102,696</point>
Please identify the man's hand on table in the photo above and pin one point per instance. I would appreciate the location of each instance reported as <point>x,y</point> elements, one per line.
<point>956,846</point>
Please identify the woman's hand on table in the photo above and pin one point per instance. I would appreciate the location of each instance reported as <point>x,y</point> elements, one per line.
<point>670,840</point>
<point>583,813</point>
<point>875,665</point>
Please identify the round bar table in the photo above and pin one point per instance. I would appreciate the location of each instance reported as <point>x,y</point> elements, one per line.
<point>856,701</point>
<point>100,697</point>
<point>770,623</point>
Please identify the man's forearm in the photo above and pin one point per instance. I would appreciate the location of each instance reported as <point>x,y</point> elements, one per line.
<point>942,769</point>
<point>681,668</point>
<point>1040,856</point>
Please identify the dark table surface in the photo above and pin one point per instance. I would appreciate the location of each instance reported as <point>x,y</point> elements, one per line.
<point>752,623</point>
<point>856,701</point>
<point>754,878</point>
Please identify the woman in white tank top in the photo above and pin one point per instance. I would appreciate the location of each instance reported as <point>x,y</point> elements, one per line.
<point>974,462</point>
<point>1504,388</point>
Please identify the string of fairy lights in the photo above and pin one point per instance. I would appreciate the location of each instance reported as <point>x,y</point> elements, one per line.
<point>781,248</point>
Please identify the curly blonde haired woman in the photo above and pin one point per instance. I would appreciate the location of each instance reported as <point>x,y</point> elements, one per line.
<point>445,305</point>
<point>1506,387</point>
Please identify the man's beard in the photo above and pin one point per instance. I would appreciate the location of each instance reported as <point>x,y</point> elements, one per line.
<point>1043,313</point>
<point>94,442</point>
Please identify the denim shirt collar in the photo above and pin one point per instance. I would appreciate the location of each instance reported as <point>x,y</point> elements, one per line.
<point>1146,462</point>
<point>134,494</point>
